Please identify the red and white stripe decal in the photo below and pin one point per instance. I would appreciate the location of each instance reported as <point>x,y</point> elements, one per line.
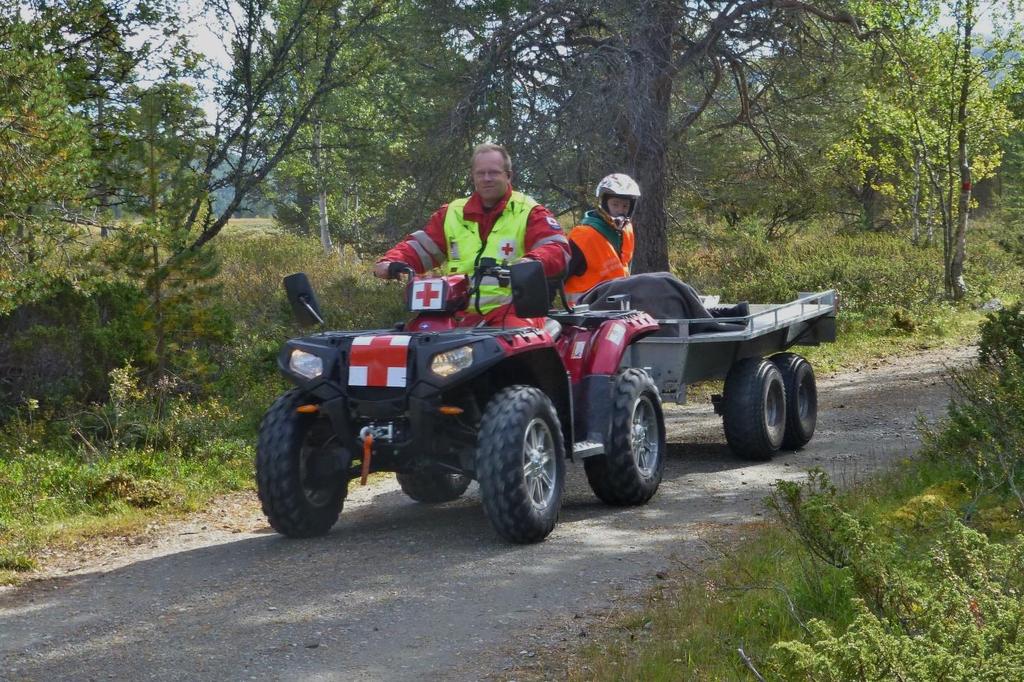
<point>378,361</point>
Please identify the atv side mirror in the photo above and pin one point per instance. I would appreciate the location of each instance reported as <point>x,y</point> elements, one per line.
<point>529,289</point>
<point>305,307</point>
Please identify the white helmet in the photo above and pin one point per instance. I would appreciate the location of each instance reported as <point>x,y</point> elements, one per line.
<point>617,185</point>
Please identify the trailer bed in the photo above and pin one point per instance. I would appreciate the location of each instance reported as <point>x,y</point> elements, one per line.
<point>681,353</point>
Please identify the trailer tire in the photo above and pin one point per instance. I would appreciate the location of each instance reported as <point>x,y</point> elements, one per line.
<point>520,464</point>
<point>298,499</point>
<point>801,399</point>
<point>754,409</point>
<point>433,486</point>
<point>629,473</point>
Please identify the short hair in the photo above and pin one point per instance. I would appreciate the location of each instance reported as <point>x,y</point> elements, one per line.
<point>490,147</point>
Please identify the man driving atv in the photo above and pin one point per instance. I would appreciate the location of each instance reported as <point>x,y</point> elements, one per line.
<point>493,222</point>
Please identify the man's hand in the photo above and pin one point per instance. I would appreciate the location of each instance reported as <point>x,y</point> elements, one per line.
<point>381,269</point>
<point>386,269</point>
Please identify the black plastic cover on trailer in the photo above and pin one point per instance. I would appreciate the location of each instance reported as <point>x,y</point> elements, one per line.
<point>663,296</point>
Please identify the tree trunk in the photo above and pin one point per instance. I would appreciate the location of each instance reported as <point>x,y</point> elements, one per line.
<point>321,187</point>
<point>915,202</point>
<point>929,237</point>
<point>645,132</point>
<point>158,315</point>
<point>957,286</point>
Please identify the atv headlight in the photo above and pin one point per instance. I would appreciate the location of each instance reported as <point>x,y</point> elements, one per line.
<point>451,361</point>
<point>305,364</point>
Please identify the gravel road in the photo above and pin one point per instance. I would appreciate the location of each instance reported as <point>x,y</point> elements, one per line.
<point>401,591</point>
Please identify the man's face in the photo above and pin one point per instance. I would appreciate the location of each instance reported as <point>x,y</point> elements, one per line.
<point>489,177</point>
<point>618,206</point>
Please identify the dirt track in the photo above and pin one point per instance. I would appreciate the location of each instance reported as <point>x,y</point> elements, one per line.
<point>399,591</point>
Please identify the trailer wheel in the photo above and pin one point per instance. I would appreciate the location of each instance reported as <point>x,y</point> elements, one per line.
<point>754,409</point>
<point>520,464</point>
<point>630,472</point>
<point>433,486</point>
<point>300,486</point>
<point>801,399</point>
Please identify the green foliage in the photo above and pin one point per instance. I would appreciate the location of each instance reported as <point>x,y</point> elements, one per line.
<point>250,281</point>
<point>62,347</point>
<point>44,162</point>
<point>183,320</point>
<point>1002,337</point>
<point>950,611</point>
<point>159,417</point>
<point>886,284</point>
<point>874,273</point>
<point>984,433</point>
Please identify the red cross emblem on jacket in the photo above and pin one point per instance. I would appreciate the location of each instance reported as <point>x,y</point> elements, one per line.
<point>378,361</point>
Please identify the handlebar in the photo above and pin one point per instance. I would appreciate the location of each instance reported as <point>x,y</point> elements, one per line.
<point>397,268</point>
<point>488,267</point>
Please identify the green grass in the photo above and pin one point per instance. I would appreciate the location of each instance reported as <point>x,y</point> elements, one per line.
<point>245,227</point>
<point>47,496</point>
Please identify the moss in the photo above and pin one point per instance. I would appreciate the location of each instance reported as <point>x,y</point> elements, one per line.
<point>927,508</point>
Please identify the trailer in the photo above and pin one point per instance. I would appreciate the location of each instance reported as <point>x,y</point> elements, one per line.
<point>769,400</point>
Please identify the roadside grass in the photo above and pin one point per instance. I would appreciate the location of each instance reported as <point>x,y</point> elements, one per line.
<point>860,340</point>
<point>53,497</point>
<point>766,588</point>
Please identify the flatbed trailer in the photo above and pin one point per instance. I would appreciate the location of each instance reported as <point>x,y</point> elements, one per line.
<point>676,356</point>
<point>769,400</point>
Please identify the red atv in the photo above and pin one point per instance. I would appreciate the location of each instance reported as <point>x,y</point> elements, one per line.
<point>442,405</point>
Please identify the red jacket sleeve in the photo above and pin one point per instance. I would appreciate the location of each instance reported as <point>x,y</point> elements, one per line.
<point>546,242</point>
<point>424,249</point>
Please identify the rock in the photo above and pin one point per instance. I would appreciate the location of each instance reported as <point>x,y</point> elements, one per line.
<point>992,304</point>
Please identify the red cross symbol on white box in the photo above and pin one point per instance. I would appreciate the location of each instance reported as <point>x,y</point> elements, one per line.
<point>507,248</point>
<point>378,361</point>
<point>426,294</point>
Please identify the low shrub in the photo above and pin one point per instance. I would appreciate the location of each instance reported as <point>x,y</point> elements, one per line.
<point>61,347</point>
<point>949,610</point>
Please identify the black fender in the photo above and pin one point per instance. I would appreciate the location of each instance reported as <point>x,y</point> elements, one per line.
<point>542,368</point>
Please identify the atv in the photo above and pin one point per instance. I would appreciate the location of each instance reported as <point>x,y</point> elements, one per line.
<point>442,404</point>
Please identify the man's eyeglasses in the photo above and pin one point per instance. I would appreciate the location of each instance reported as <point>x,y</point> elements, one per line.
<point>487,175</point>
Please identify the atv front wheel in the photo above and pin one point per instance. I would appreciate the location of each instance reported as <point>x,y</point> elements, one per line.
<point>299,481</point>
<point>432,486</point>
<point>629,473</point>
<point>520,464</point>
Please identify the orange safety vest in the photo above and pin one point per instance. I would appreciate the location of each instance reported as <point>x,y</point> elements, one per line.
<point>603,263</point>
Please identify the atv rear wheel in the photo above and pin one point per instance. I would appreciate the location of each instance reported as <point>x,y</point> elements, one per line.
<point>520,464</point>
<point>432,486</point>
<point>300,484</point>
<point>630,472</point>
